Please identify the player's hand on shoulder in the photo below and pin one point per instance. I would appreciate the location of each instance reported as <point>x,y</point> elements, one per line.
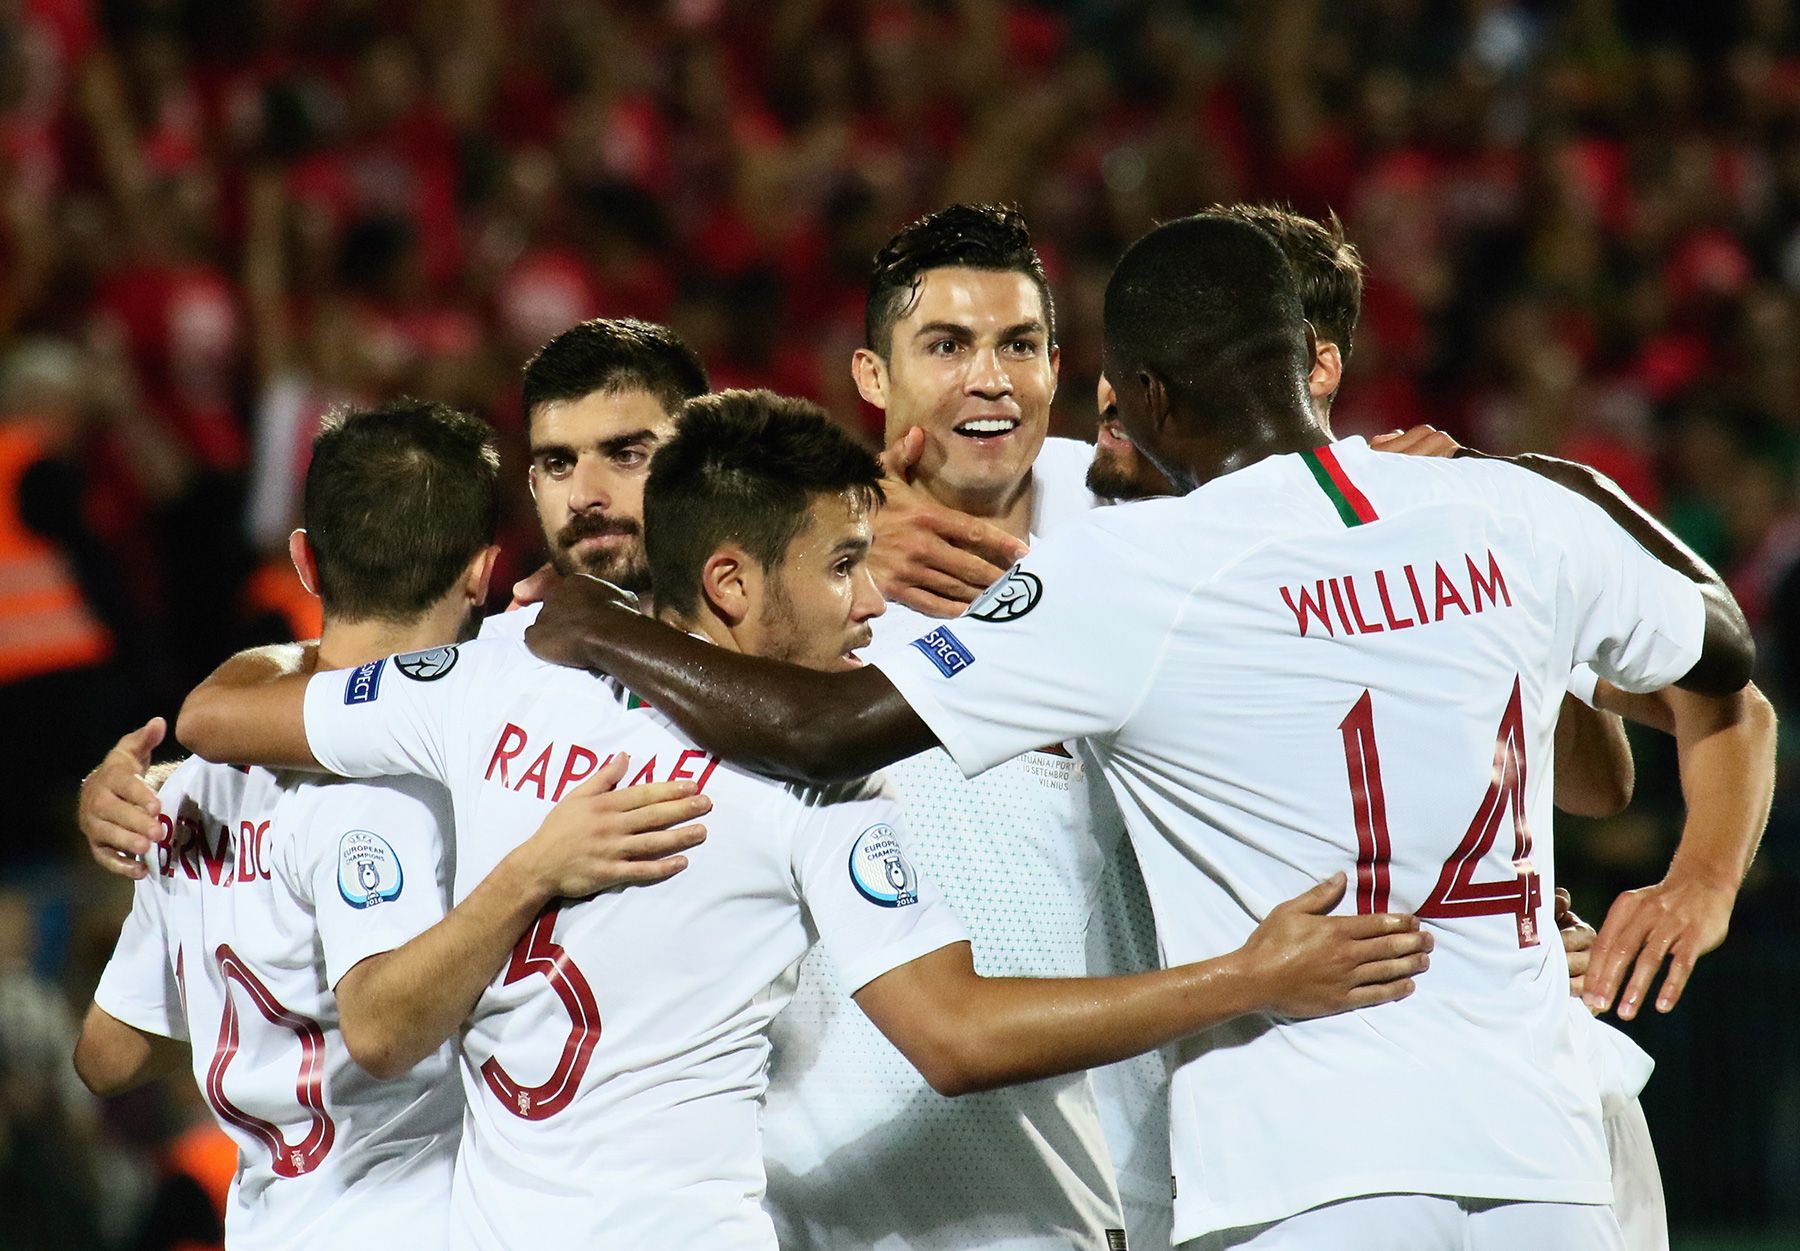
<point>932,559</point>
<point>534,587</point>
<point>1310,963</point>
<point>1577,940</point>
<point>603,835</point>
<point>1678,919</point>
<point>118,809</point>
<point>1418,441</point>
<point>569,617</point>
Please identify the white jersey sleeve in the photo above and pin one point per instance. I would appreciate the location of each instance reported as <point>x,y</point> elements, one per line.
<point>371,864</point>
<point>392,716</point>
<point>139,985</point>
<point>1583,682</point>
<point>1043,656</point>
<point>1638,623</point>
<point>870,907</point>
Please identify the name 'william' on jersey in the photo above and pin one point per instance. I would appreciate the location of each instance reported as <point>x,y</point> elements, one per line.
<point>1351,661</point>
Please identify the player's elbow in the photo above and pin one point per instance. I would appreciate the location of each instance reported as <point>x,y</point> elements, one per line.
<point>951,1071</point>
<point>99,1069</point>
<point>199,727</point>
<point>381,1054</point>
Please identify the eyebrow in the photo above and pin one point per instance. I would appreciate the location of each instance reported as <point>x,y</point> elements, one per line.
<point>846,546</point>
<point>965,334</point>
<point>615,444</point>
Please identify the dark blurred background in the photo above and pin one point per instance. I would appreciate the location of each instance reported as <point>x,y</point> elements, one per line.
<point>219,218</point>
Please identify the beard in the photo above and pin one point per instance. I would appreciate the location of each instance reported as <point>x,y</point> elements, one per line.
<point>1114,476</point>
<point>624,566</point>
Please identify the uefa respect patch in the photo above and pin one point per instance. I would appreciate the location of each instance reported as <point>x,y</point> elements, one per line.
<point>880,870</point>
<point>365,683</point>
<point>369,870</point>
<point>946,651</point>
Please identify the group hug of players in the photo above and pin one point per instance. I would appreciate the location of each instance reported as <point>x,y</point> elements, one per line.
<point>1206,856</point>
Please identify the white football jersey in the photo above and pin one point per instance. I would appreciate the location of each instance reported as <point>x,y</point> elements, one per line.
<point>267,889</point>
<point>1337,660</point>
<point>861,1151</point>
<point>615,1068</point>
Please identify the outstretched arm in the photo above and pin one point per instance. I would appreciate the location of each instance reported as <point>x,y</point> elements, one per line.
<point>398,1007</point>
<point>965,1032</point>
<point>1726,749</point>
<point>775,718</point>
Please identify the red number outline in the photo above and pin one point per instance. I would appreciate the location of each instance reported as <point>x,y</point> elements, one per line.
<point>289,1159</point>
<point>1457,893</point>
<point>538,954</point>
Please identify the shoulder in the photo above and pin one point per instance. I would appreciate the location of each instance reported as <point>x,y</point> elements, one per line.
<point>874,788</point>
<point>510,625</point>
<point>1059,479</point>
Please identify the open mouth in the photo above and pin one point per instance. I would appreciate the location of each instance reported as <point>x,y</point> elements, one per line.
<point>1112,434</point>
<point>987,427</point>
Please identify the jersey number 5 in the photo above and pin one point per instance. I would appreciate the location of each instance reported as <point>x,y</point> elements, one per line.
<point>537,954</point>
<point>1457,893</point>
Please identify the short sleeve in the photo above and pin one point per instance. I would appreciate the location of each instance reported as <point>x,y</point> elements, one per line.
<point>138,985</point>
<point>392,716</point>
<point>1638,623</point>
<point>872,909</point>
<point>1063,647</point>
<point>372,865</point>
<point>1583,682</point>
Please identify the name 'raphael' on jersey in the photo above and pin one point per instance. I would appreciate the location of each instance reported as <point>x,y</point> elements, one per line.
<point>1338,661</point>
<point>614,1069</point>
<point>266,889</point>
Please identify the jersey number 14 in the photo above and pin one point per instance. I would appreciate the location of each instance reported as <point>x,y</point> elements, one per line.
<point>1457,893</point>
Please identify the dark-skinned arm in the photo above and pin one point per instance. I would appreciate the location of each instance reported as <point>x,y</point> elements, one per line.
<point>774,718</point>
<point>1595,774</point>
<point>965,1032</point>
<point>252,710</point>
<point>1725,746</point>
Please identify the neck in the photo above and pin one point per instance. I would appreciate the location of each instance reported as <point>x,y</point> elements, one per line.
<point>1198,460</point>
<point>346,644</point>
<point>705,624</point>
<point>1008,508</point>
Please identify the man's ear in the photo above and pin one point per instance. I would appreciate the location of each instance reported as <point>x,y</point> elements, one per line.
<point>306,562</point>
<point>480,573</point>
<point>1156,400</point>
<point>731,584</point>
<point>1327,370</point>
<point>869,372</point>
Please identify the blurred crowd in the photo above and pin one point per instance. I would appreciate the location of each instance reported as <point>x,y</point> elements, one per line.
<point>221,218</point>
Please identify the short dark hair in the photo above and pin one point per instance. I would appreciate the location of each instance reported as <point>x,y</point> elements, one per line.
<point>743,466</point>
<point>969,236</point>
<point>614,354</point>
<point>398,501</point>
<point>1210,305</point>
<point>1326,264</point>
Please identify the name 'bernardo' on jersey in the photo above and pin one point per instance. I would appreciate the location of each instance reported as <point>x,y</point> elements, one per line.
<point>223,861</point>
<point>574,762</point>
<point>1469,588</point>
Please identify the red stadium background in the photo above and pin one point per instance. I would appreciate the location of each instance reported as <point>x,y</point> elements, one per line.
<point>219,218</point>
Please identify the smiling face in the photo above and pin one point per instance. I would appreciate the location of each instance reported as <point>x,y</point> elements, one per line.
<point>589,459</point>
<point>814,608</point>
<point>971,363</point>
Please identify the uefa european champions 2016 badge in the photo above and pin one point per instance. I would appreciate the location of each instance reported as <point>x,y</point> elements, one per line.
<point>879,869</point>
<point>369,871</point>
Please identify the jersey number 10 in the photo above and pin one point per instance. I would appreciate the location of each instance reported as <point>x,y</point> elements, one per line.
<point>1457,893</point>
